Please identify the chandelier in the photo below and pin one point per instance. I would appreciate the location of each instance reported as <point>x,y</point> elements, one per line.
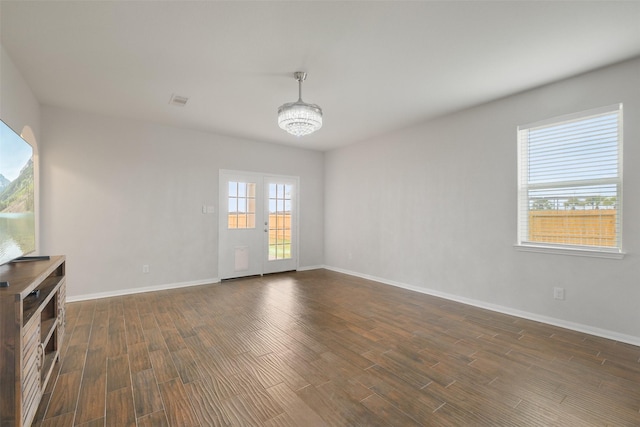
<point>299,118</point>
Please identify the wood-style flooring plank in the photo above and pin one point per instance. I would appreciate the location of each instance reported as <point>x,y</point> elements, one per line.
<point>118,373</point>
<point>207,404</point>
<point>254,398</point>
<point>120,410</point>
<point>177,405</point>
<point>185,365</point>
<point>64,398</point>
<point>64,420</point>
<point>138,357</point>
<point>297,412</point>
<point>99,329</point>
<point>386,411</point>
<point>163,366</point>
<point>157,419</point>
<point>419,404</point>
<point>117,336</point>
<point>146,394</point>
<point>91,402</point>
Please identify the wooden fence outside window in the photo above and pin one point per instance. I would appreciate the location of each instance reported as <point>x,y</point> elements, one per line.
<point>594,227</point>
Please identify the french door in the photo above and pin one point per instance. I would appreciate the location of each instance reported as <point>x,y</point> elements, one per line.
<point>258,224</point>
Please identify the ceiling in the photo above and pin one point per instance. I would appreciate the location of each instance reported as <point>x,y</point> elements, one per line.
<point>373,67</point>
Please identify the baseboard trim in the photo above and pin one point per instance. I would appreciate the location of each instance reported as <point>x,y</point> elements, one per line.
<point>311,267</point>
<point>130,291</point>
<point>578,327</point>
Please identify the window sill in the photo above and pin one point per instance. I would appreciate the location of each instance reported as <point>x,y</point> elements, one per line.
<point>569,251</point>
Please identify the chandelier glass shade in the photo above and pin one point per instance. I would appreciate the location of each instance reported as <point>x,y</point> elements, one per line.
<point>299,118</point>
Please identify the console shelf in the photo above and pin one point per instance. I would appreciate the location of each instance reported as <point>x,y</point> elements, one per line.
<point>32,321</point>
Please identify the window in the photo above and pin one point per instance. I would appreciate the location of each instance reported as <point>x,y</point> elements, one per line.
<point>242,205</point>
<point>570,183</point>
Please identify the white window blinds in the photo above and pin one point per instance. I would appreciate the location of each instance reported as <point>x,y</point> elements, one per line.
<point>570,181</point>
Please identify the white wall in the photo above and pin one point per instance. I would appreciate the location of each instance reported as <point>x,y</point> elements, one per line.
<point>433,208</point>
<point>18,105</point>
<point>117,194</point>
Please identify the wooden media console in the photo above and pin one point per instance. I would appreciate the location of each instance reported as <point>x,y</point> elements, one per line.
<point>32,321</point>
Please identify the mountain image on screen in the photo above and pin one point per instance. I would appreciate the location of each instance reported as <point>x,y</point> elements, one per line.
<point>3,183</point>
<point>17,214</point>
<point>17,196</point>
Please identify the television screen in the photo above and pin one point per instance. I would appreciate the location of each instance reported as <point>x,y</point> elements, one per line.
<point>17,217</point>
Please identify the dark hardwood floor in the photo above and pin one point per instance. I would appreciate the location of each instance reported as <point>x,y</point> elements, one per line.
<point>320,348</point>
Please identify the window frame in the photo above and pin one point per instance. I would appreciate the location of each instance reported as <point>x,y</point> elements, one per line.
<point>523,207</point>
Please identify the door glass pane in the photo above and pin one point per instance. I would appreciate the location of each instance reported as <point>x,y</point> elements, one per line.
<point>279,221</point>
<point>287,250</point>
<point>242,205</point>
<point>233,204</point>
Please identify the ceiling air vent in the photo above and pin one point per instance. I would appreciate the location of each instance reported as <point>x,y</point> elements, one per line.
<point>178,100</point>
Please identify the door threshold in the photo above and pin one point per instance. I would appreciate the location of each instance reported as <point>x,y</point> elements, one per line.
<point>257,275</point>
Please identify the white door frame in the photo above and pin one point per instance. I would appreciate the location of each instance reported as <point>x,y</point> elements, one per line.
<point>245,252</point>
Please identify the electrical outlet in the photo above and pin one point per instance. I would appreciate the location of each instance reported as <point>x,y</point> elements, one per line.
<point>558,293</point>
<point>145,268</point>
